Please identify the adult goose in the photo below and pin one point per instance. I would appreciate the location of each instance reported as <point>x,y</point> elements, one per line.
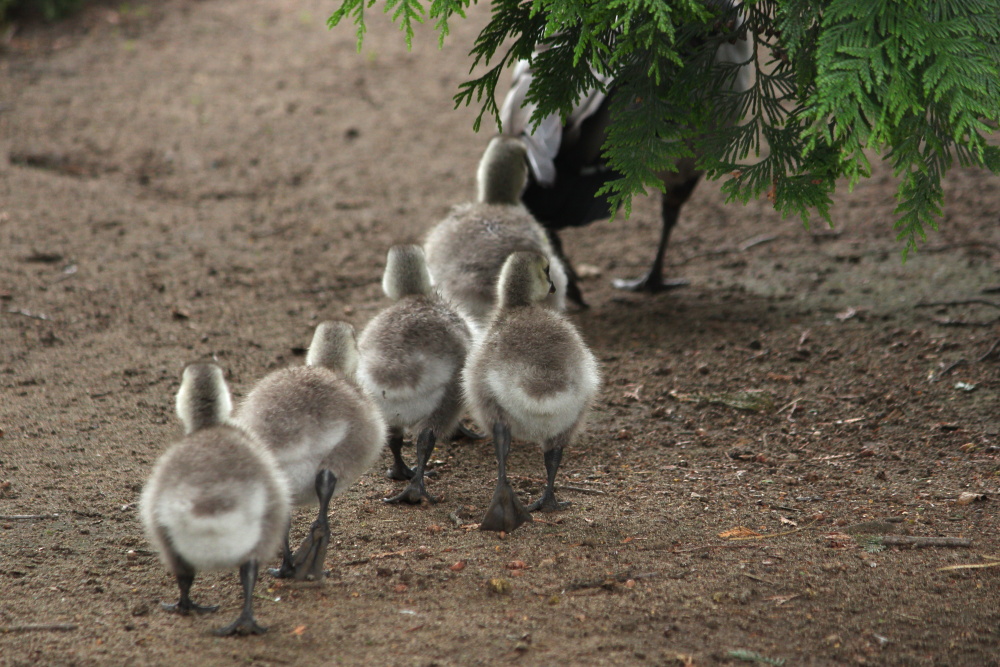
<point>567,167</point>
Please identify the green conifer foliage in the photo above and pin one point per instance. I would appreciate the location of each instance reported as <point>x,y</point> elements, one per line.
<point>915,82</point>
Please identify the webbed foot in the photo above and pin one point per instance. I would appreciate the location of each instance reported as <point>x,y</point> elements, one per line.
<point>548,503</point>
<point>185,606</point>
<point>415,490</point>
<point>241,627</point>
<point>308,560</point>
<point>506,511</point>
<point>649,283</point>
<point>399,471</point>
<point>413,494</point>
<point>286,571</point>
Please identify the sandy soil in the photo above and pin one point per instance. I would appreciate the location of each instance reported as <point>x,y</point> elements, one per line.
<point>185,181</point>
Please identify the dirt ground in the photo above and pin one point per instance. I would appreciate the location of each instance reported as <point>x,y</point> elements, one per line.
<point>186,180</point>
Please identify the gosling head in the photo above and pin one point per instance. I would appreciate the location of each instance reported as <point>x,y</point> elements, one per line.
<point>406,273</point>
<point>503,171</point>
<point>334,346</point>
<point>524,279</point>
<point>203,399</point>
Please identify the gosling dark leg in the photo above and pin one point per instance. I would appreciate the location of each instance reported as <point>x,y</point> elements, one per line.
<point>310,557</point>
<point>548,502</point>
<point>506,512</point>
<point>653,281</point>
<point>287,568</point>
<point>245,624</point>
<point>185,606</point>
<point>415,490</point>
<point>399,470</point>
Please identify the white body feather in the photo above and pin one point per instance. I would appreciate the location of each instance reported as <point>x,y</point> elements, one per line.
<point>537,418</point>
<point>532,368</point>
<point>310,418</point>
<point>543,142</point>
<point>218,541</point>
<point>216,500</point>
<point>304,456</point>
<point>405,406</point>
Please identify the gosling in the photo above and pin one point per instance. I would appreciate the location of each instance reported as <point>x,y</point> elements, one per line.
<point>412,355</point>
<point>216,499</point>
<point>324,432</point>
<point>531,376</point>
<point>466,250</point>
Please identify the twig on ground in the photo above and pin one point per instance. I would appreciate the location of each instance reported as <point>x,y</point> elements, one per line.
<point>791,413</point>
<point>947,322</point>
<point>37,627</point>
<point>909,540</point>
<point>266,658</point>
<point>971,566</point>
<point>787,508</point>
<point>957,302</point>
<point>560,487</point>
<point>580,489</point>
<point>712,546</point>
<point>756,241</point>
<point>27,517</point>
<point>743,247</point>
<point>753,656</point>
<point>281,229</point>
<point>539,480</point>
<point>989,352</point>
<point>547,523</point>
<point>27,313</point>
<point>954,246</point>
<point>261,596</point>
<point>387,554</point>
<point>950,367</point>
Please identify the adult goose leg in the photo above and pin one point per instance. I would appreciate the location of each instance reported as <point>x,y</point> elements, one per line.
<point>653,281</point>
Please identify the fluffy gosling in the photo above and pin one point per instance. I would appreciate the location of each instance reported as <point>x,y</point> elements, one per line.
<point>216,499</point>
<point>323,431</point>
<point>530,376</point>
<point>412,355</point>
<point>466,250</point>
